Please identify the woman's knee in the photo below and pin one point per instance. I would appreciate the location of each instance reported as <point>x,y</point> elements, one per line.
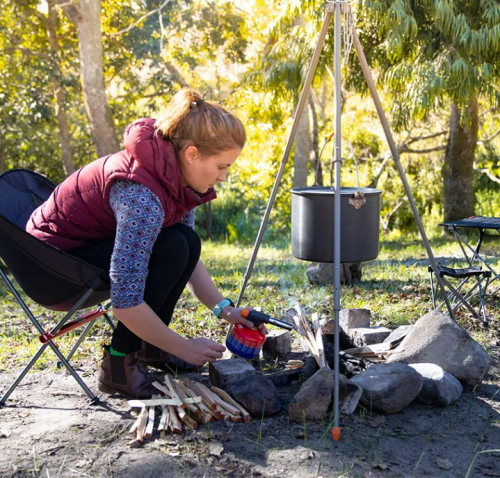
<point>171,246</point>
<point>193,240</point>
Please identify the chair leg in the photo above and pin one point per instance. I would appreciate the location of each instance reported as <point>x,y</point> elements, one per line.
<point>483,306</point>
<point>23,373</point>
<point>432,292</point>
<point>110,322</point>
<point>61,357</point>
<point>86,330</point>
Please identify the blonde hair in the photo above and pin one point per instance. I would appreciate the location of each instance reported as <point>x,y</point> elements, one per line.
<point>190,120</point>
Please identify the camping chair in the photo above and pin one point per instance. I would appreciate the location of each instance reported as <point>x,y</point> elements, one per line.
<point>52,278</point>
<point>470,283</point>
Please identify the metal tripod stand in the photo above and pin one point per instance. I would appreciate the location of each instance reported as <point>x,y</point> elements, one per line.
<point>334,8</point>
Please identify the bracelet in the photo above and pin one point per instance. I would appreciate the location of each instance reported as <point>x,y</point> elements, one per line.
<point>221,305</point>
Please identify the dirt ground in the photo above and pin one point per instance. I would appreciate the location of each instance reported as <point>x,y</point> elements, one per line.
<point>48,429</point>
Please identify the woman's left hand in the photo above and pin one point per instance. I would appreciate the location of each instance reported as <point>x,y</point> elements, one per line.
<point>233,316</point>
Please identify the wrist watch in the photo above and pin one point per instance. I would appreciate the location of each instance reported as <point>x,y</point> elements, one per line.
<point>221,305</point>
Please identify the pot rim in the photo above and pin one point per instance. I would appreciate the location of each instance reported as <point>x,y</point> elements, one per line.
<point>330,191</point>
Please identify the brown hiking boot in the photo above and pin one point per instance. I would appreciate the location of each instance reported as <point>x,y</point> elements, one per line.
<point>158,358</point>
<point>125,376</point>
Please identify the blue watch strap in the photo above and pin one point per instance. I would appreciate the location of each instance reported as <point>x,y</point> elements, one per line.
<point>221,305</point>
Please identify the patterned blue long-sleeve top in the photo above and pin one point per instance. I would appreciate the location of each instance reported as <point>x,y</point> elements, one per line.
<point>139,218</point>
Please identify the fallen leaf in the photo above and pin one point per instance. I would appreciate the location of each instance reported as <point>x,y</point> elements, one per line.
<point>444,464</point>
<point>486,472</point>
<point>215,448</point>
<point>378,421</point>
<point>381,466</point>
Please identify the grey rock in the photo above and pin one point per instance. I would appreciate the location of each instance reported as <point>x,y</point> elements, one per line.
<point>284,377</point>
<point>278,343</point>
<point>440,388</point>
<point>438,339</point>
<point>309,369</point>
<point>322,273</point>
<point>257,394</point>
<point>328,332</point>
<point>369,336</point>
<point>388,388</point>
<point>354,319</point>
<point>223,372</point>
<point>399,334</point>
<point>314,397</point>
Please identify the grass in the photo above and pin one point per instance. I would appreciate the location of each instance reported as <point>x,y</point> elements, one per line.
<point>395,287</point>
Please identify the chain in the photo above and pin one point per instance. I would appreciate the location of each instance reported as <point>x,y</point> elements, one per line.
<point>347,26</point>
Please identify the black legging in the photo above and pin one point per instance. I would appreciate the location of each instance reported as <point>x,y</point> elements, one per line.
<point>175,255</point>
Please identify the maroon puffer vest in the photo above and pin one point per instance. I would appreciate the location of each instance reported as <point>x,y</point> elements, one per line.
<point>78,211</point>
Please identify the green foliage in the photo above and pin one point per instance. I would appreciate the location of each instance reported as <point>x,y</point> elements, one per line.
<point>434,50</point>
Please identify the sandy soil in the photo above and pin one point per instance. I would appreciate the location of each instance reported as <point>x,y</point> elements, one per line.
<point>48,429</point>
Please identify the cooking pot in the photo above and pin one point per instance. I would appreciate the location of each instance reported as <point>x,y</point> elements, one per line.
<point>312,224</point>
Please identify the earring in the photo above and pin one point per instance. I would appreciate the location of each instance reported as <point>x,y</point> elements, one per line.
<point>190,162</point>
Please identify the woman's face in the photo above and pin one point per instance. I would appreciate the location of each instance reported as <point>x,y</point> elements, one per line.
<point>203,172</point>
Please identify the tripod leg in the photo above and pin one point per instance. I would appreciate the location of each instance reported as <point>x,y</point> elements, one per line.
<point>395,155</point>
<point>298,113</point>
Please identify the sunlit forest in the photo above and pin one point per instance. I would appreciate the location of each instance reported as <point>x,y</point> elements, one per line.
<point>72,79</point>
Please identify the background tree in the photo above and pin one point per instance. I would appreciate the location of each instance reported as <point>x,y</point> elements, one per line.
<point>435,53</point>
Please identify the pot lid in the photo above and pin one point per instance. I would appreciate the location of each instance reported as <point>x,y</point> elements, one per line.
<point>330,191</point>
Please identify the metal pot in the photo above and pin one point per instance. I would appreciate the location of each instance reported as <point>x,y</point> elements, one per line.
<point>312,224</point>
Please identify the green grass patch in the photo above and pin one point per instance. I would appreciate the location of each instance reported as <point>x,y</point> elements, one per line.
<point>395,287</point>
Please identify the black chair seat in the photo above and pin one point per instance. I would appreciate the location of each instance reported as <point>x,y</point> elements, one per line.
<point>473,271</point>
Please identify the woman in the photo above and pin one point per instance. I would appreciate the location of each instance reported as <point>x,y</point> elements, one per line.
<point>132,213</point>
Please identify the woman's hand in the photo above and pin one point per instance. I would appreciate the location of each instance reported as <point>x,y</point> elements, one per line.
<point>233,316</point>
<point>200,351</point>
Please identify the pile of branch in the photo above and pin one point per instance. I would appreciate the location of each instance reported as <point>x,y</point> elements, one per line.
<point>312,337</point>
<point>183,402</point>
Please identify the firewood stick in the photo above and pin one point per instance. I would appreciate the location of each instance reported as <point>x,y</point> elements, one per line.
<point>204,410</point>
<point>162,389</point>
<point>134,427</point>
<point>321,348</point>
<point>151,422</point>
<point>215,398</point>
<point>175,424</point>
<point>158,402</point>
<point>305,330</point>
<point>225,396</point>
<point>190,423</point>
<point>182,413</point>
<point>315,321</point>
<point>193,409</point>
<point>200,390</point>
<point>164,420</point>
<point>173,391</point>
<point>142,425</point>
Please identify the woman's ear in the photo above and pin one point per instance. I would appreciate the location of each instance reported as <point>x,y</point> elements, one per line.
<point>191,153</point>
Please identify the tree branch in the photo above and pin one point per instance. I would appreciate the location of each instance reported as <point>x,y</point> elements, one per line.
<point>488,173</point>
<point>133,25</point>
<point>425,136</point>
<point>492,137</point>
<point>404,149</point>
<point>70,9</point>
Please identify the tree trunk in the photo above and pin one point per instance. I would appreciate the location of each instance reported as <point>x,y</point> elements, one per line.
<point>318,169</point>
<point>458,162</point>
<point>303,146</point>
<point>87,18</point>
<point>59,92</point>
